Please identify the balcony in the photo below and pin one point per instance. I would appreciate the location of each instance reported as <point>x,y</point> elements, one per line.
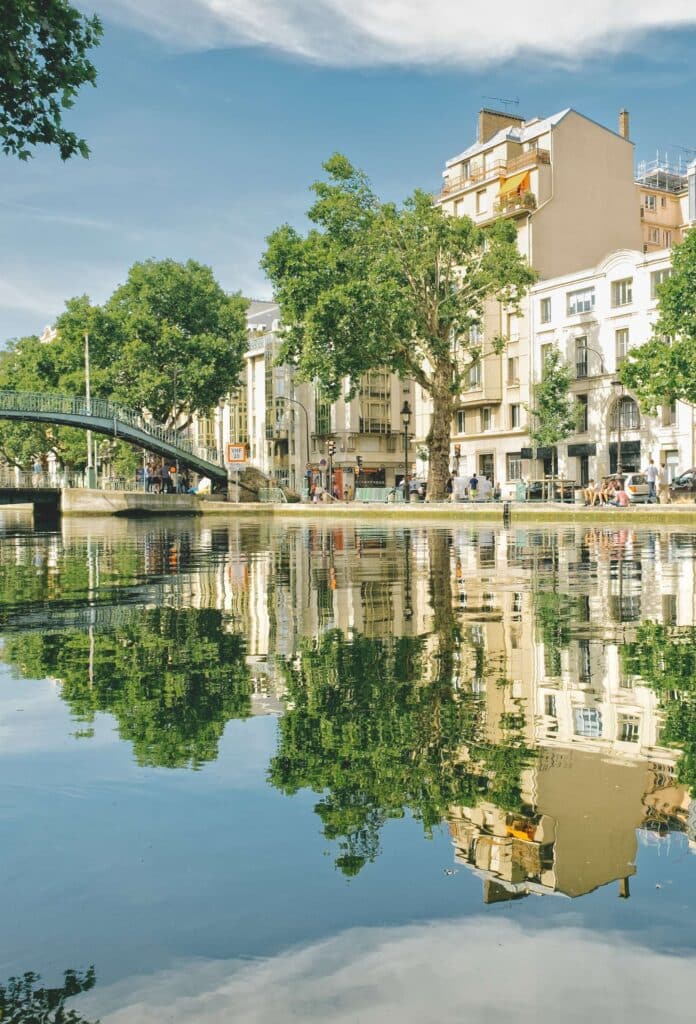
<point>499,169</point>
<point>514,202</point>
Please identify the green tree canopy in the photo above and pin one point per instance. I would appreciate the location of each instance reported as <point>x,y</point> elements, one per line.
<point>375,285</point>
<point>172,678</point>
<point>553,412</point>
<point>182,339</point>
<point>664,369</point>
<point>43,63</point>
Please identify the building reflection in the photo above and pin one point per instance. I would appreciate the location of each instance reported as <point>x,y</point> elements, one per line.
<point>532,625</point>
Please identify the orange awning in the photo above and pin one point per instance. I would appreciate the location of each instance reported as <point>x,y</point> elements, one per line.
<point>515,183</point>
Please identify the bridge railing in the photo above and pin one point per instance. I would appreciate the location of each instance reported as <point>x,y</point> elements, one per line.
<point>101,408</point>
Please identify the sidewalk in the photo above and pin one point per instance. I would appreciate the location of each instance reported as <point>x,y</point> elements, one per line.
<point>463,512</point>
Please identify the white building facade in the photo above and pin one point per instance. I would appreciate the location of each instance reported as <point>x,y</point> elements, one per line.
<point>594,318</point>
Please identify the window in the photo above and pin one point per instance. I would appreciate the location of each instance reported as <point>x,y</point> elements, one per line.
<point>545,311</point>
<point>512,326</point>
<point>515,416</point>
<point>588,722</point>
<point>481,203</point>
<point>550,705</point>
<point>654,235</point>
<point>475,335</point>
<point>669,415</point>
<point>544,352</point>
<point>474,375</point>
<point>656,279</point>
<point>667,240</point>
<point>622,292</point>
<point>322,415</point>
<point>627,410</point>
<point>239,426</point>
<point>582,301</point>
<point>375,403</point>
<point>663,201</point>
<point>629,726</point>
<point>486,418</point>
<point>651,203</point>
<point>581,357</point>
<point>461,421</point>
<point>206,432</point>
<point>513,370</point>
<point>582,414</point>
<point>621,345</point>
<point>513,465</point>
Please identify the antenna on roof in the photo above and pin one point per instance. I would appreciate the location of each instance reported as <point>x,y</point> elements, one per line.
<point>504,102</point>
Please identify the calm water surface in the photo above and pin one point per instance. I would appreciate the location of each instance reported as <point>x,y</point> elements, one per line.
<point>311,773</point>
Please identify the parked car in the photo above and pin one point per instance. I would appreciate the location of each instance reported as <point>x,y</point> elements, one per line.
<point>637,489</point>
<point>683,487</point>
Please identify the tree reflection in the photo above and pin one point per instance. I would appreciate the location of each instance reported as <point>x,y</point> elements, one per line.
<point>664,657</point>
<point>24,1001</point>
<point>373,728</point>
<point>172,678</point>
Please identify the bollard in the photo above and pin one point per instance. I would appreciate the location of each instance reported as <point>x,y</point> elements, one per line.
<point>506,513</point>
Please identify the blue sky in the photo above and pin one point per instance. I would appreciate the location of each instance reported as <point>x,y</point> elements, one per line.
<point>211,118</point>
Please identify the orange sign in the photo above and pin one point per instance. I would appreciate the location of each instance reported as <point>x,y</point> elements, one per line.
<point>236,453</point>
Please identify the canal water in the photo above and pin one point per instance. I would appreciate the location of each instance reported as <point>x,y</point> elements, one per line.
<point>299,772</point>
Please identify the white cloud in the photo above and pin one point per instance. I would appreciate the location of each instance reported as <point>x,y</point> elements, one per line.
<point>479,970</point>
<point>365,32</point>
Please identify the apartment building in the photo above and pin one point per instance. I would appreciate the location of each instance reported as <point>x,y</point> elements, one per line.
<point>663,196</point>
<point>567,183</point>
<point>594,318</point>
<point>286,424</point>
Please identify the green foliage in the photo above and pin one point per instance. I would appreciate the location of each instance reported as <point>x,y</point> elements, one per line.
<point>554,413</point>
<point>181,339</point>
<point>664,657</point>
<point>169,341</point>
<point>25,1001</point>
<point>172,678</point>
<point>375,285</point>
<point>660,371</point>
<point>43,64</point>
<point>365,728</point>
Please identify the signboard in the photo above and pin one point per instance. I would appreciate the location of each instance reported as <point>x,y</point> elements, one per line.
<point>236,453</point>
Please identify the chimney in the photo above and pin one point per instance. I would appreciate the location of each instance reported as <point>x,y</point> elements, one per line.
<point>624,124</point>
<point>491,121</point>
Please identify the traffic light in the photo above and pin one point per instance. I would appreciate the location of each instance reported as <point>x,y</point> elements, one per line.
<point>358,459</point>
<point>331,448</point>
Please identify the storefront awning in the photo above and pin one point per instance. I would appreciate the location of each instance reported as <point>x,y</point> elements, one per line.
<point>515,183</point>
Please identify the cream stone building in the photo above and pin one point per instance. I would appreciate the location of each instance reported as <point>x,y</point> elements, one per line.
<point>594,317</point>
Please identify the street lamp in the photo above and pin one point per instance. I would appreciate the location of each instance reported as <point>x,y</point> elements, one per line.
<point>406,417</point>
<point>596,352</point>
<point>619,386</point>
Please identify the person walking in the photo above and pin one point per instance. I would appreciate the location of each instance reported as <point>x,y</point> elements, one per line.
<point>651,475</point>
<point>663,485</point>
<point>473,488</point>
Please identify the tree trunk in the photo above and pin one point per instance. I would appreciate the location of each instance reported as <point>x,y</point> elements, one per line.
<point>439,435</point>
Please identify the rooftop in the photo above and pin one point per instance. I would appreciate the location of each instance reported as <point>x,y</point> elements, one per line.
<point>525,132</point>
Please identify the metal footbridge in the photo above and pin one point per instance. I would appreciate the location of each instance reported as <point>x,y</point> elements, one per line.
<point>104,417</point>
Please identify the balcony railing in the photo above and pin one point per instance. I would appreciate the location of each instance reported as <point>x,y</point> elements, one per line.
<point>515,201</point>
<point>499,169</point>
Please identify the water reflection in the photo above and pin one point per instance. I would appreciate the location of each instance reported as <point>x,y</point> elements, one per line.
<point>530,689</point>
<point>24,1000</point>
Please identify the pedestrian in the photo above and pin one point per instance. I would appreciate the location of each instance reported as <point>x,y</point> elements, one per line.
<point>37,470</point>
<point>485,488</point>
<point>620,498</point>
<point>164,479</point>
<point>449,486</point>
<point>651,475</point>
<point>173,480</point>
<point>497,492</point>
<point>309,479</point>
<point>473,488</point>
<point>149,476</point>
<point>663,483</point>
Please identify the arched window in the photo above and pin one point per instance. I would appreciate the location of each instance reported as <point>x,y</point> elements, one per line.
<point>625,410</point>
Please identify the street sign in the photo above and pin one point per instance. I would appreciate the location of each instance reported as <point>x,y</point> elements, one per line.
<point>236,453</point>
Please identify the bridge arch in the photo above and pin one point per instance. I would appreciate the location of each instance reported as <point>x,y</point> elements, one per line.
<point>112,420</point>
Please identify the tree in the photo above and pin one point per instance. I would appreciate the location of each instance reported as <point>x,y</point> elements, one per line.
<point>43,64</point>
<point>663,370</point>
<point>24,1001</point>
<point>181,340</point>
<point>554,412</point>
<point>374,285</point>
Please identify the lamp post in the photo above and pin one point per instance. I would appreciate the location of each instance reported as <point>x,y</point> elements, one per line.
<point>293,401</point>
<point>599,355</point>
<point>406,417</point>
<point>91,475</point>
<point>619,386</point>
